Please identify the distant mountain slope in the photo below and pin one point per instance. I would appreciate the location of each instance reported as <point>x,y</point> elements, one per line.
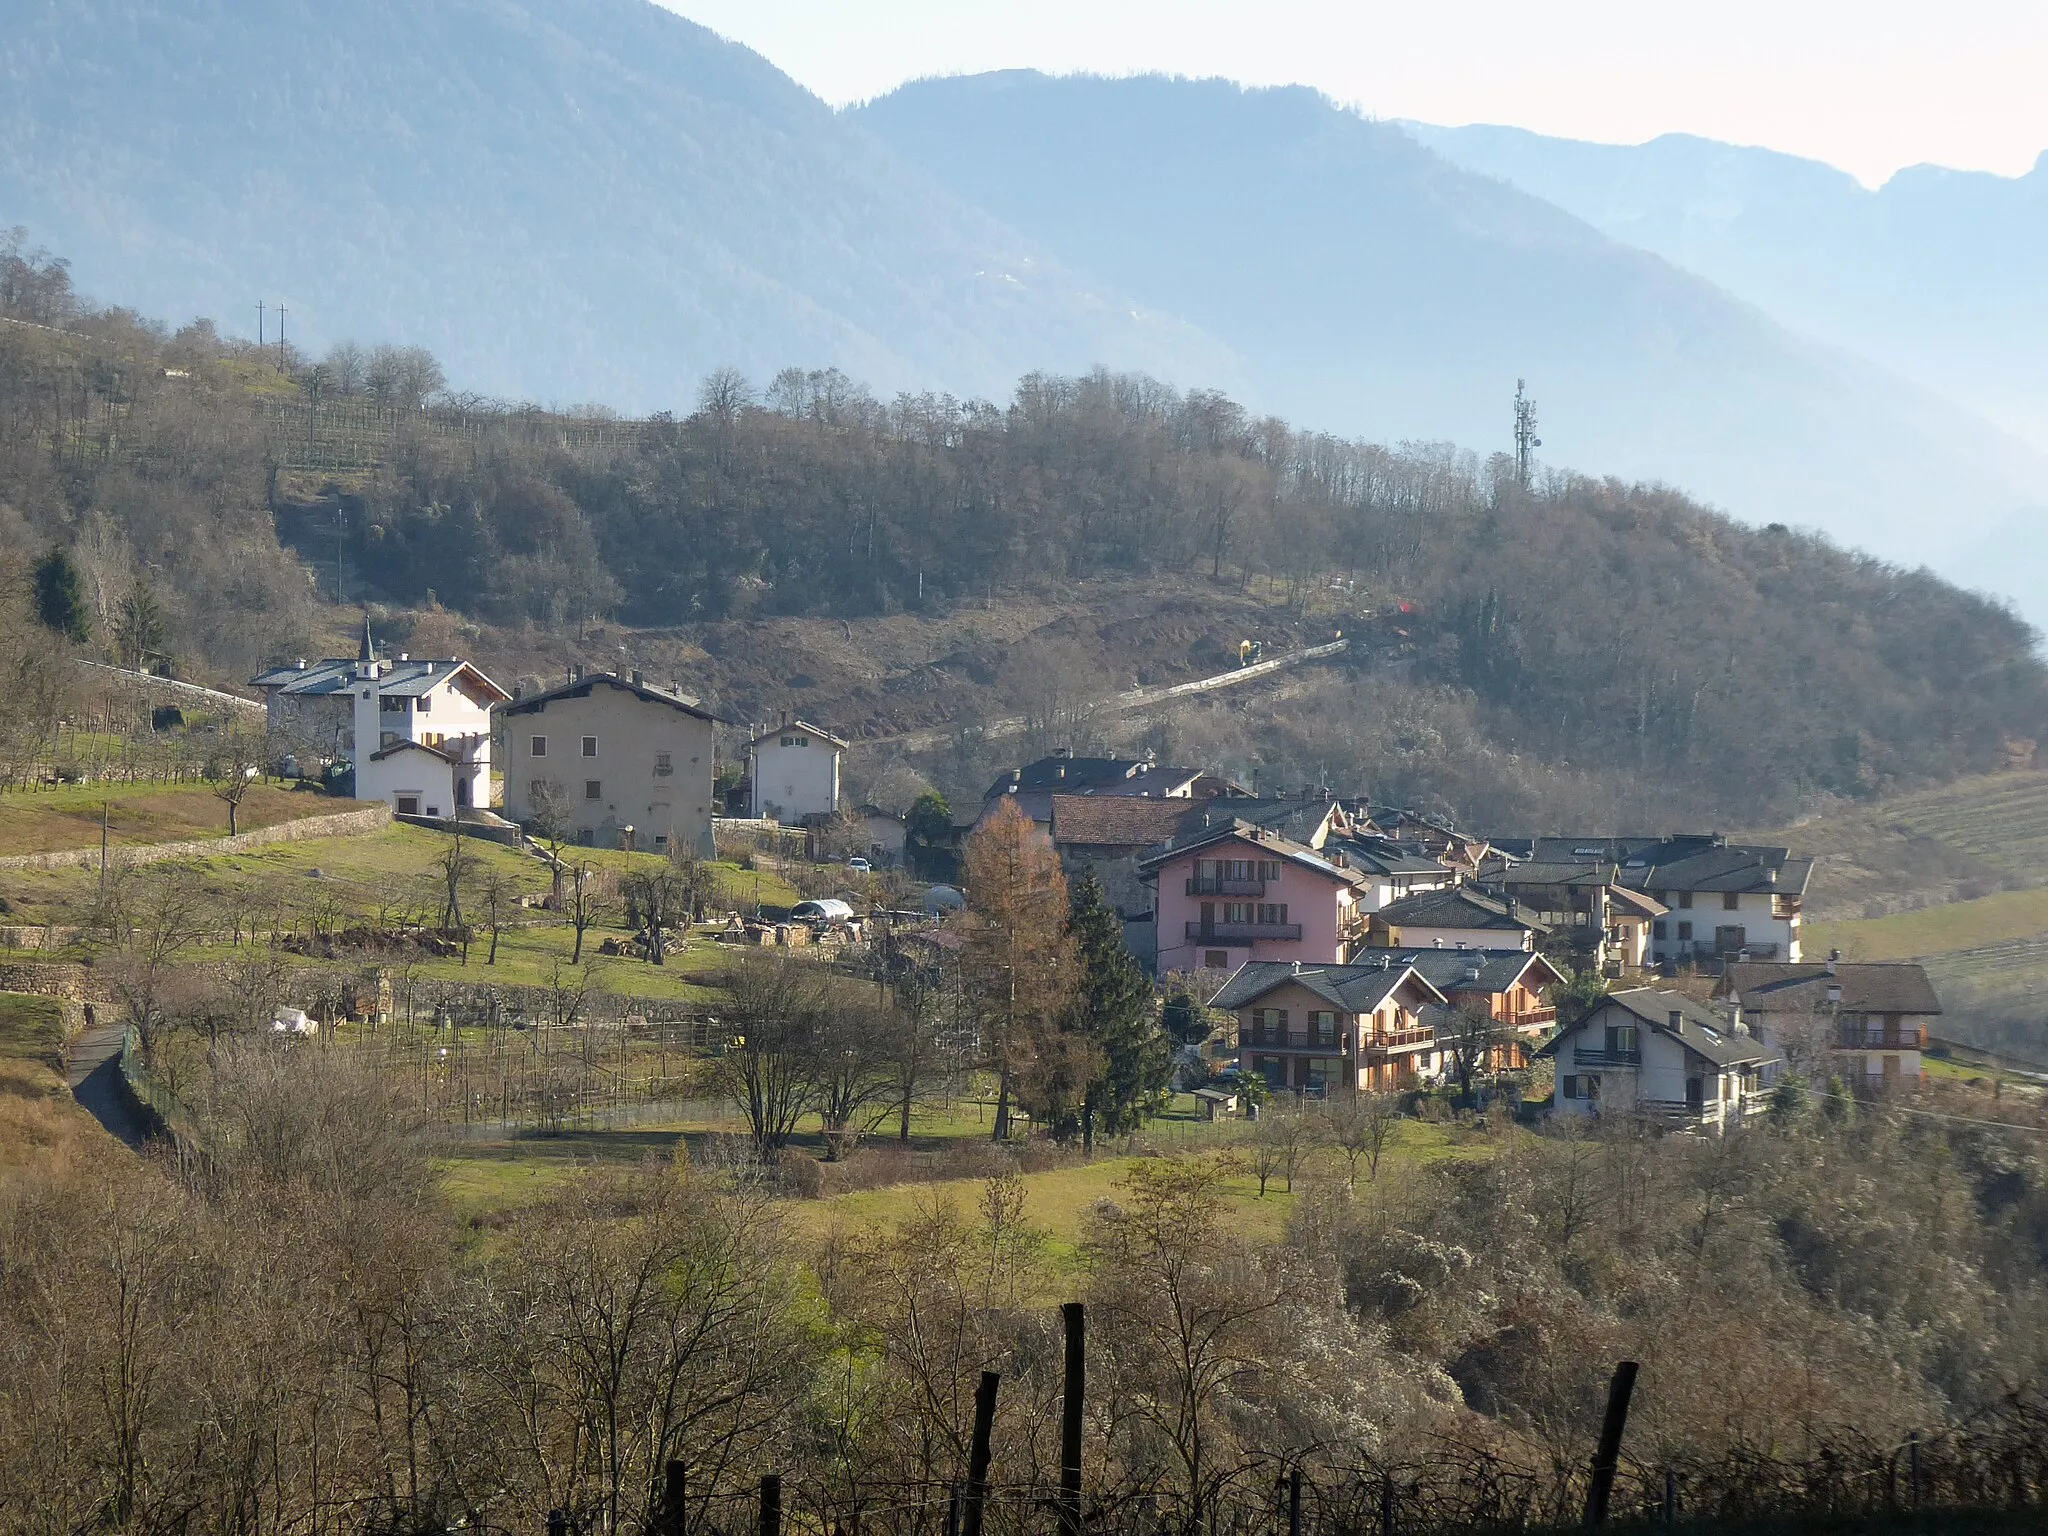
<point>1938,273</point>
<point>566,199</point>
<point>1373,286</point>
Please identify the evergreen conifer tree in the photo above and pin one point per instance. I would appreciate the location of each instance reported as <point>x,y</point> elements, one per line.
<point>60,596</point>
<point>1113,1007</point>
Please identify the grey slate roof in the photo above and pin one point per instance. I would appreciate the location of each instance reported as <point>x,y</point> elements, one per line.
<point>1376,856</point>
<point>1697,861</point>
<point>1459,906</point>
<point>402,678</point>
<point>1700,1030</point>
<point>581,688</point>
<point>1769,987</point>
<point>1257,839</point>
<point>1450,970</point>
<point>664,696</point>
<point>1348,988</point>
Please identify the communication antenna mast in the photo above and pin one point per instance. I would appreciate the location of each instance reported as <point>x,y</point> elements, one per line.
<point>1526,440</point>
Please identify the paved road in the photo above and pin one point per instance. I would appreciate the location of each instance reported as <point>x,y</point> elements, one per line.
<point>95,1076</point>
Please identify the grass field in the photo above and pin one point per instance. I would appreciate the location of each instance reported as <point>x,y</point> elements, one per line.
<point>47,821</point>
<point>382,876</point>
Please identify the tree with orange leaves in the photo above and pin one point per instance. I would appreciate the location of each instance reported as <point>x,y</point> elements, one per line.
<point>1018,968</point>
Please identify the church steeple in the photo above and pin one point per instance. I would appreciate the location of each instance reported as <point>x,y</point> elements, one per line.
<point>367,652</point>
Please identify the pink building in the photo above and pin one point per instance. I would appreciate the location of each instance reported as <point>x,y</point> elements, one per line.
<point>1231,894</point>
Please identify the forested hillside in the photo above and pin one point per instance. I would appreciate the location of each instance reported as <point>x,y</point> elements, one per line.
<point>1367,280</point>
<point>1591,627</point>
<point>598,200</point>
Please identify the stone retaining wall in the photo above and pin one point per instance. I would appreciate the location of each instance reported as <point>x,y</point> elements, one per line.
<point>370,818</point>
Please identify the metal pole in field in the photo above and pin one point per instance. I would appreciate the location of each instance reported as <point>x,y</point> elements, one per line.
<point>1071,1405</point>
<point>1294,1500</point>
<point>1608,1455</point>
<point>771,1505</point>
<point>977,1454</point>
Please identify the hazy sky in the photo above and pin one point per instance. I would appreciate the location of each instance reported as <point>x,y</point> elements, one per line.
<point>1869,85</point>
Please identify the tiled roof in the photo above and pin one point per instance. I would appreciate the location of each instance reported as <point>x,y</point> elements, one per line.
<point>1866,988</point>
<point>1114,821</point>
<point>582,688</point>
<point>399,678</point>
<point>1701,861</point>
<point>1352,988</point>
<point>779,730</point>
<point>1456,907</point>
<point>1252,838</point>
<point>1450,970</point>
<point>1376,856</point>
<point>1699,1029</point>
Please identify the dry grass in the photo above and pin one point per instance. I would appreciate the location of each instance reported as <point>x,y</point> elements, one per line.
<point>53,820</point>
<point>42,1129</point>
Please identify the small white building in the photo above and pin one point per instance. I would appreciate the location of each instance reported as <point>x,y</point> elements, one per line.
<point>1456,917</point>
<point>794,769</point>
<point>1660,1054</point>
<point>418,732</point>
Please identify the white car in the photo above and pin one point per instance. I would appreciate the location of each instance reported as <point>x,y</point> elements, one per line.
<point>860,866</point>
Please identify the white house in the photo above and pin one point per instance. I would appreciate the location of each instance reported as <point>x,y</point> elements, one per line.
<point>795,772</point>
<point>418,732</point>
<point>1726,901</point>
<point>1457,917</point>
<point>1649,1052</point>
<point>616,761</point>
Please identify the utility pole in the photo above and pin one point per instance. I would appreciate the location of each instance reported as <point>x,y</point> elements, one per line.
<point>339,534</point>
<point>1526,440</point>
<point>280,338</point>
<point>259,323</point>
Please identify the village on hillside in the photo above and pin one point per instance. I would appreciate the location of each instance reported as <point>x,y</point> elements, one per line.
<point>1340,945</point>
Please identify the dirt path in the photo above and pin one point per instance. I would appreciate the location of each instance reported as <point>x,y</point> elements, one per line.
<point>94,1072</point>
<point>1134,699</point>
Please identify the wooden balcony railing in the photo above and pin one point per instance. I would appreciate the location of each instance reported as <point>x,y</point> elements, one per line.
<point>1587,1057</point>
<point>1400,1039</point>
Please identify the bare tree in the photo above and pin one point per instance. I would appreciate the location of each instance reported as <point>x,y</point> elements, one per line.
<point>1359,1125</point>
<point>657,901</point>
<point>774,1019</point>
<point>234,768</point>
<point>856,1086</point>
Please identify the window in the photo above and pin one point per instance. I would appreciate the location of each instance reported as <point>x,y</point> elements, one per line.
<point>590,746</point>
<point>794,741</point>
<point>1684,932</point>
<point>1657,929</point>
<point>664,765</point>
<point>1731,901</point>
<point>660,842</point>
<point>386,739</point>
<point>1269,869</point>
<point>538,747</point>
<point>1570,1090</point>
<point>1685,900</point>
<point>1621,1038</point>
<point>1240,911</point>
<point>408,805</point>
<point>425,704</point>
<point>391,704</point>
<point>593,789</point>
<point>1322,1025</point>
<point>1216,959</point>
<point>1272,912</point>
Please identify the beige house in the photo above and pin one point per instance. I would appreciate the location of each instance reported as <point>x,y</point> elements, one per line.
<point>1320,1029</point>
<point>625,764</point>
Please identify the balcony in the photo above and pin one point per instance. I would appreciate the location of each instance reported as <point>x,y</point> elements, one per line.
<point>1884,1040</point>
<point>1591,1060</point>
<point>1295,1041</point>
<point>1400,1040</point>
<point>1530,1018</point>
<point>1217,886</point>
<point>1242,933</point>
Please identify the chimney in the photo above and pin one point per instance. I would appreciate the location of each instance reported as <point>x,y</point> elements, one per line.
<point>575,671</point>
<point>1297,967</point>
<point>404,656</point>
<point>1834,997</point>
<point>1833,956</point>
<point>1676,1019</point>
<point>302,663</point>
<point>639,678</point>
